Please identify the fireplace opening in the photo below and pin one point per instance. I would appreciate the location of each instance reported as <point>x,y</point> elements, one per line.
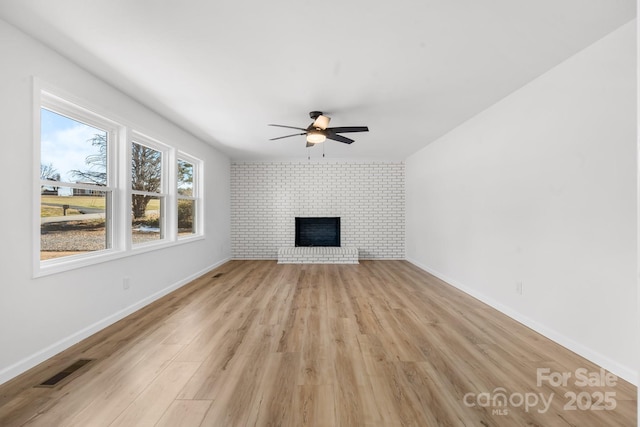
<point>318,231</point>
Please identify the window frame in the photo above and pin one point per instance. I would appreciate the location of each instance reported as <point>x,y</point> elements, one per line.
<point>122,135</point>
<point>195,197</point>
<point>75,111</point>
<point>163,194</point>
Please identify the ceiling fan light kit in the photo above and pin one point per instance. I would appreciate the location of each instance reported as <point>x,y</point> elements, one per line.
<point>317,132</point>
<point>314,137</point>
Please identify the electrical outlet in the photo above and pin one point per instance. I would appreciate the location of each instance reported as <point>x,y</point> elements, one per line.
<point>126,283</point>
<point>519,288</point>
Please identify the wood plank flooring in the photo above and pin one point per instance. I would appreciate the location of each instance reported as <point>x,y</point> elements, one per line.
<point>381,343</point>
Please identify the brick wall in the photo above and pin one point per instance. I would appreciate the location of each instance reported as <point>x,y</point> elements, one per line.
<point>266,197</point>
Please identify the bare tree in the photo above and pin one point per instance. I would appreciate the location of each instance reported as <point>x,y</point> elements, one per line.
<point>146,171</point>
<point>49,173</point>
<point>146,174</point>
<point>97,172</point>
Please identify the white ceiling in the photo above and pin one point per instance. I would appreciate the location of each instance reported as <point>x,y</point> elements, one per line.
<point>409,69</point>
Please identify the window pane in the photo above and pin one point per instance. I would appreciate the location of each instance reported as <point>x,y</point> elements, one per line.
<point>186,208</point>
<point>185,178</point>
<point>146,168</point>
<point>74,224</point>
<point>146,224</point>
<point>71,151</point>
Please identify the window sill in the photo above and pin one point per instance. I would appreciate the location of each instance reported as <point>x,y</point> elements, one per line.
<point>73,262</point>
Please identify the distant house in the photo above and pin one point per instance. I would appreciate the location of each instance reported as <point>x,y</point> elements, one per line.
<point>85,191</point>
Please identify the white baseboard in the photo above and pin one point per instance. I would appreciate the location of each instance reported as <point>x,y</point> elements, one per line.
<point>624,372</point>
<point>29,362</point>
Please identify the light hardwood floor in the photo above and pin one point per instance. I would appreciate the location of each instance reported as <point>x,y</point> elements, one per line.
<point>381,343</point>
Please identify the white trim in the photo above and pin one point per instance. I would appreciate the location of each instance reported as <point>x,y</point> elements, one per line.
<point>171,208</point>
<point>122,134</point>
<point>196,193</point>
<point>29,362</point>
<point>638,201</point>
<point>35,186</point>
<point>625,372</point>
<point>167,154</point>
<point>73,262</point>
<point>46,98</point>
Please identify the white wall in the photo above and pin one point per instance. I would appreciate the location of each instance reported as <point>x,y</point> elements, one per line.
<point>638,201</point>
<point>541,188</point>
<point>39,317</point>
<point>368,197</point>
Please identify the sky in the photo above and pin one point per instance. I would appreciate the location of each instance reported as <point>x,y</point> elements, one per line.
<point>65,143</point>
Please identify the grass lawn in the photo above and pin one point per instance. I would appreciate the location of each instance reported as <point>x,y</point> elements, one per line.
<point>84,201</point>
<point>52,205</point>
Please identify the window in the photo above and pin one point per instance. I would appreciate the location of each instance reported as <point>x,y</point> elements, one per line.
<point>101,196</point>
<point>75,182</point>
<point>147,195</point>
<point>187,196</point>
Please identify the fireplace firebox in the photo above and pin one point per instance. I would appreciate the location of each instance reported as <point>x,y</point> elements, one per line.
<point>318,231</point>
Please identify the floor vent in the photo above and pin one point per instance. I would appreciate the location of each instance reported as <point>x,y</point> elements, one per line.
<point>215,276</point>
<point>55,380</point>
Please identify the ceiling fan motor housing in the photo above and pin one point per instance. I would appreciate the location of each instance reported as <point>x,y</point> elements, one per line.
<point>315,114</point>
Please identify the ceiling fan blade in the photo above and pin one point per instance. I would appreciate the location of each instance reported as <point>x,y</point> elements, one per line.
<point>339,138</point>
<point>287,136</point>
<point>321,122</point>
<point>309,144</point>
<point>289,127</point>
<point>346,129</point>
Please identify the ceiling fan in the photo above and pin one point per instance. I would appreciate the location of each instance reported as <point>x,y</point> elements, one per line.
<point>318,131</point>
